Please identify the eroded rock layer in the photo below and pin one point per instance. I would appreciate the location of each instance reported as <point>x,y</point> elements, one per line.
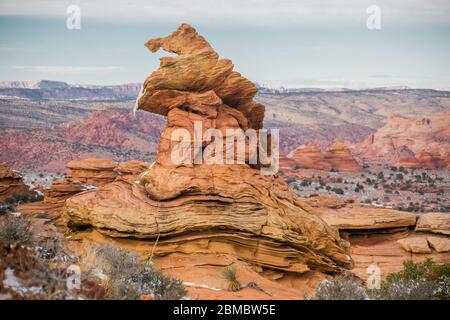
<point>11,183</point>
<point>226,208</point>
<point>338,158</point>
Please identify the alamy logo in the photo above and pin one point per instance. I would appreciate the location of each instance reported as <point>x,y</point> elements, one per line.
<point>374,279</point>
<point>374,19</point>
<point>73,281</point>
<point>73,22</point>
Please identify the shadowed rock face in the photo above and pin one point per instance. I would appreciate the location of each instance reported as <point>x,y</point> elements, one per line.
<point>11,183</point>
<point>223,208</point>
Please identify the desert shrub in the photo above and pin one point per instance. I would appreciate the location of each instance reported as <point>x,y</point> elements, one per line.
<point>417,281</point>
<point>39,277</point>
<point>161,286</point>
<point>342,287</point>
<point>24,197</point>
<point>230,277</point>
<point>7,208</point>
<point>305,183</point>
<point>129,279</point>
<point>337,190</point>
<point>15,230</point>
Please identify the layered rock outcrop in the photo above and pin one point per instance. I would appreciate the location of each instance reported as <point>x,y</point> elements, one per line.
<point>338,157</point>
<point>11,183</point>
<point>93,171</point>
<point>85,174</point>
<point>310,157</point>
<point>386,237</point>
<point>426,140</point>
<point>213,207</point>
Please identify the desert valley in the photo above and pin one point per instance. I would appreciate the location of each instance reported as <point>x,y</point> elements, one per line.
<point>363,185</point>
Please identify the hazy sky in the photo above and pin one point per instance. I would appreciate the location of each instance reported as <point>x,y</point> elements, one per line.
<point>291,43</point>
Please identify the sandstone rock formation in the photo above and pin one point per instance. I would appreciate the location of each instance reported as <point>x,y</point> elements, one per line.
<point>93,171</point>
<point>11,183</point>
<point>341,159</point>
<point>426,137</point>
<point>415,244</point>
<point>310,157</point>
<point>132,167</point>
<point>227,209</point>
<point>434,222</point>
<point>385,237</point>
<point>370,218</point>
<point>338,157</point>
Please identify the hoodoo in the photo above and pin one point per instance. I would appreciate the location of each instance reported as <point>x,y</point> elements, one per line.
<point>220,208</point>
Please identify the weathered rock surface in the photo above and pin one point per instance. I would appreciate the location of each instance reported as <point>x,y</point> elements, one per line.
<point>93,171</point>
<point>434,222</point>
<point>415,244</point>
<point>310,157</point>
<point>132,167</point>
<point>221,208</point>
<point>440,244</point>
<point>385,238</point>
<point>11,183</point>
<point>340,158</point>
<point>363,218</point>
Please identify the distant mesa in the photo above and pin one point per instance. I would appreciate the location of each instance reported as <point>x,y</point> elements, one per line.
<point>412,142</point>
<point>58,90</point>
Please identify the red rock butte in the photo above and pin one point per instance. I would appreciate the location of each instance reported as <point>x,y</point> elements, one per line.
<point>228,209</point>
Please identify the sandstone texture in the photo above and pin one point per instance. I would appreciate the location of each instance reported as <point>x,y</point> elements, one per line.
<point>92,171</point>
<point>337,157</point>
<point>310,157</point>
<point>360,218</point>
<point>415,245</point>
<point>384,237</point>
<point>434,222</point>
<point>215,208</point>
<point>11,183</point>
<point>341,159</point>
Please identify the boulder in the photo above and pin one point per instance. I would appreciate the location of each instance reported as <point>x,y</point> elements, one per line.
<point>11,184</point>
<point>415,244</point>
<point>440,244</point>
<point>434,222</point>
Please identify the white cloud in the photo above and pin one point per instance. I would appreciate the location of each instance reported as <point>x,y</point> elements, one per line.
<point>70,70</point>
